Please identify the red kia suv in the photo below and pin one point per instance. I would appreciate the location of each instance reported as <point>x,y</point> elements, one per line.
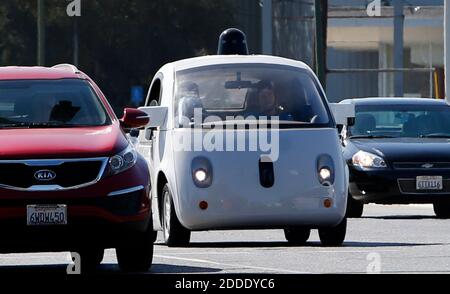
<point>70,177</point>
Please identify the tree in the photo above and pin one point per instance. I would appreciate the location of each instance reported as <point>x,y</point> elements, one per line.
<point>122,43</point>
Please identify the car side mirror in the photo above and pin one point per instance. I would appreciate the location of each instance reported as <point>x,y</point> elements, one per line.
<point>134,119</point>
<point>343,133</point>
<point>344,113</point>
<point>158,116</point>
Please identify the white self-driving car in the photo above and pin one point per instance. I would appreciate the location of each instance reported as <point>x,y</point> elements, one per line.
<point>243,142</point>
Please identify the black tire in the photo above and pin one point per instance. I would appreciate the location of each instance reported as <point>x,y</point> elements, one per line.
<point>137,255</point>
<point>90,258</point>
<point>333,236</point>
<point>442,209</point>
<point>355,208</point>
<point>175,235</point>
<point>297,236</point>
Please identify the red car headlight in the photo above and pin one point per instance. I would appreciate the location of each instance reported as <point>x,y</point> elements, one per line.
<point>122,161</point>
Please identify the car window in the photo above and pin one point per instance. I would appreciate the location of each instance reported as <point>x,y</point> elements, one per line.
<point>402,121</point>
<point>242,91</point>
<point>155,93</point>
<point>69,102</point>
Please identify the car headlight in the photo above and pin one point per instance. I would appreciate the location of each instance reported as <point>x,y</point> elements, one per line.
<point>202,172</point>
<point>368,160</point>
<point>325,174</point>
<point>122,161</point>
<point>200,175</point>
<point>325,170</point>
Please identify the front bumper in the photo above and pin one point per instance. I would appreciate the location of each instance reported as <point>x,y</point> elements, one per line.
<point>229,208</point>
<point>99,215</point>
<point>389,186</point>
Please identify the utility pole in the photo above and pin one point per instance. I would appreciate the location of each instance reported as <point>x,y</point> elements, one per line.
<point>76,58</point>
<point>321,16</point>
<point>267,24</point>
<point>447,49</point>
<point>41,32</point>
<point>399,20</point>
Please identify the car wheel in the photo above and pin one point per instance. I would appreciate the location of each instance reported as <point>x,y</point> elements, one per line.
<point>175,235</point>
<point>442,209</point>
<point>137,255</point>
<point>297,236</point>
<point>355,208</point>
<point>333,236</point>
<point>90,258</point>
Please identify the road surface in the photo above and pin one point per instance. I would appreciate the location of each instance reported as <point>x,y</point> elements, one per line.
<point>388,239</point>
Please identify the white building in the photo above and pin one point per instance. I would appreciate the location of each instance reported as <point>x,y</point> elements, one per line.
<point>356,40</point>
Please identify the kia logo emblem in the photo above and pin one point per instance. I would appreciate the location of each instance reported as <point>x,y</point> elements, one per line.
<point>44,175</point>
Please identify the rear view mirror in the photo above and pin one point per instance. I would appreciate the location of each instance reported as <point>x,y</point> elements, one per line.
<point>238,84</point>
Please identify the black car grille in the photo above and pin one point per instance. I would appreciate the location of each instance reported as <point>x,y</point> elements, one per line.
<point>422,165</point>
<point>21,174</point>
<point>408,186</point>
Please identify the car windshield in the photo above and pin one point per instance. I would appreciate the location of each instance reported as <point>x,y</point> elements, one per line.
<point>246,92</point>
<point>401,121</point>
<point>50,103</point>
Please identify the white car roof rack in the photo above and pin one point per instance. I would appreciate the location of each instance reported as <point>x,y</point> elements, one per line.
<point>68,66</point>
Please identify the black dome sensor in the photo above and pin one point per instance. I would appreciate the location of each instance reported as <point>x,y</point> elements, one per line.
<point>231,42</point>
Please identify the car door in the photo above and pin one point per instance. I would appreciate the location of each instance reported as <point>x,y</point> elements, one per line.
<point>148,139</point>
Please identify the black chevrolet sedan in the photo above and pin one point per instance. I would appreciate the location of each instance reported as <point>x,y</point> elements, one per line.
<point>398,152</point>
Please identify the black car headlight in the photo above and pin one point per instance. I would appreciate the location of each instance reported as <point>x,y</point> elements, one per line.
<point>368,160</point>
<point>122,161</point>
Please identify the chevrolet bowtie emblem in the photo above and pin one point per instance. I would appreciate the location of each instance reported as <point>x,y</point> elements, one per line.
<point>427,165</point>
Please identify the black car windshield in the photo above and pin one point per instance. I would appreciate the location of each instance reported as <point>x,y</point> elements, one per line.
<point>238,93</point>
<point>50,103</point>
<point>401,121</point>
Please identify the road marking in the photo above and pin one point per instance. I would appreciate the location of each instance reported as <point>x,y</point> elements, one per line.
<point>203,252</point>
<point>398,205</point>
<point>348,251</point>
<point>258,252</point>
<point>231,264</point>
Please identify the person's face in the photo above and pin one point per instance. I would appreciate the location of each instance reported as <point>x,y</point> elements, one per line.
<point>267,98</point>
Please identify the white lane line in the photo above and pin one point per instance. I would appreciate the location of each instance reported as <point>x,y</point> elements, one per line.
<point>27,257</point>
<point>202,253</point>
<point>350,251</point>
<point>296,252</point>
<point>233,265</point>
<point>398,205</point>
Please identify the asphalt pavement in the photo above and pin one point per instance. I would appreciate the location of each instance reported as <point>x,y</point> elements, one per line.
<point>388,239</point>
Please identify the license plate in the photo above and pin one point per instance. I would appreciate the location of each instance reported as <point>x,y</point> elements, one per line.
<point>46,215</point>
<point>429,183</point>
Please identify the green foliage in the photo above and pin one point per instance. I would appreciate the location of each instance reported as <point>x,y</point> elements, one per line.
<point>122,43</point>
